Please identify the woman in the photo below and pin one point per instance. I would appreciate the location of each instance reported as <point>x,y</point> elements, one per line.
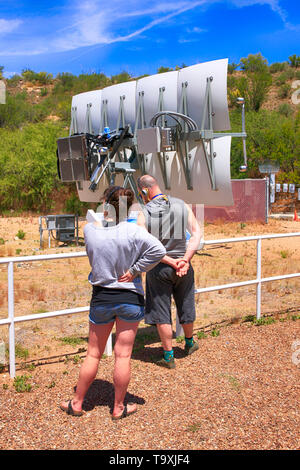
<point>118,252</point>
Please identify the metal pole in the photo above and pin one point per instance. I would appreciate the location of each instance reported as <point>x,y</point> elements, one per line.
<point>258,276</point>
<point>179,329</point>
<point>108,347</point>
<point>12,358</point>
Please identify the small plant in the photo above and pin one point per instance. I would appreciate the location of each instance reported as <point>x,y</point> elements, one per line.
<point>240,261</point>
<point>284,253</point>
<point>76,359</point>
<point>234,382</point>
<point>21,385</point>
<point>179,339</point>
<point>194,427</point>
<point>201,335</point>
<point>243,225</point>
<point>21,234</point>
<point>215,332</point>
<point>51,385</point>
<point>2,241</point>
<point>5,386</point>
<point>18,251</point>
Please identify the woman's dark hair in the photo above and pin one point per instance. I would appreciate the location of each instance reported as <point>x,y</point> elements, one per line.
<point>121,199</point>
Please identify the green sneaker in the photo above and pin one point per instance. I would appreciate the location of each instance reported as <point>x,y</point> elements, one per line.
<point>191,349</point>
<point>168,364</point>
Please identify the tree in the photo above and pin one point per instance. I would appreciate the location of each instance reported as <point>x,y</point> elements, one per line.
<point>232,67</point>
<point>294,60</point>
<point>164,69</point>
<point>270,136</point>
<point>254,63</point>
<point>1,71</point>
<point>253,85</point>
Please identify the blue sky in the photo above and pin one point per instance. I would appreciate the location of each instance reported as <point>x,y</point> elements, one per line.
<point>140,35</point>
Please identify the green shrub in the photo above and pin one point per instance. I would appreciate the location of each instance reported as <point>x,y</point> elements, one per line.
<point>282,79</point>
<point>44,92</point>
<point>294,60</point>
<point>21,385</point>
<point>73,205</point>
<point>277,67</point>
<point>21,234</point>
<point>285,109</point>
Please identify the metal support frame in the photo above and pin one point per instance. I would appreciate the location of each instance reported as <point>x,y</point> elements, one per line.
<point>121,116</point>
<point>186,157</point>
<point>73,126</point>
<point>88,127</point>
<point>104,117</point>
<point>186,140</point>
<point>165,161</point>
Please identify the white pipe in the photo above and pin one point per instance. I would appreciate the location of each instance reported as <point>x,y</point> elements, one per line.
<point>12,358</point>
<point>258,276</point>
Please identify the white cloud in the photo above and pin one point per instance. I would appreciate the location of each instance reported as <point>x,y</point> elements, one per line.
<point>7,26</point>
<point>94,23</point>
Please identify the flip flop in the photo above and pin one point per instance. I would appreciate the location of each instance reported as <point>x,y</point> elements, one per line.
<point>69,409</point>
<point>125,413</point>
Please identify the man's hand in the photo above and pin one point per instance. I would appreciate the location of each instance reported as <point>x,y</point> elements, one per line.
<point>127,277</point>
<point>182,267</point>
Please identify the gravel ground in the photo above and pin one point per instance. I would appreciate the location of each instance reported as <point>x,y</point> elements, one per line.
<point>240,390</point>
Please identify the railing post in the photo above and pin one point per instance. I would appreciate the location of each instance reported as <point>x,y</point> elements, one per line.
<point>108,347</point>
<point>11,313</point>
<point>258,276</point>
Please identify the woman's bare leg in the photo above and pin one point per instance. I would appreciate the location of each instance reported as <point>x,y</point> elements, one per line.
<point>98,336</point>
<point>125,336</point>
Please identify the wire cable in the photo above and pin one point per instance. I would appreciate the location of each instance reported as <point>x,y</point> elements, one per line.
<point>189,121</point>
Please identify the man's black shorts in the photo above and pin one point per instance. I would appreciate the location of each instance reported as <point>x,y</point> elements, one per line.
<point>161,283</point>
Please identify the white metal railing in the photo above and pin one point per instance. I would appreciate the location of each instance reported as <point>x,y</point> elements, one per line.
<point>11,320</point>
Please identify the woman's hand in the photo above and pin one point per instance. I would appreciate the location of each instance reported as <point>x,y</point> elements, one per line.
<point>127,277</point>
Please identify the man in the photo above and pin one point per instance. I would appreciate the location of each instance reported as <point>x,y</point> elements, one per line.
<point>168,218</point>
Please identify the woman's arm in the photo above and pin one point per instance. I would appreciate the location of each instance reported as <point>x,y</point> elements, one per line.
<point>150,252</point>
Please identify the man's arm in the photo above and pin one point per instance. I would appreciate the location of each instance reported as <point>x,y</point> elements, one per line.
<point>193,243</point>
<point>195,231</point>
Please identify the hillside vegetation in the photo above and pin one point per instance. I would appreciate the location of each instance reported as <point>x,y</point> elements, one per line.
<point>38,107</point>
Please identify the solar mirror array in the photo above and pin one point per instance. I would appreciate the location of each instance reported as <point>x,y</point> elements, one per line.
<point>174,126</point>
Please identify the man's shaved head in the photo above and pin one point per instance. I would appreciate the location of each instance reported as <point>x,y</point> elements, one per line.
<point>146,181</point>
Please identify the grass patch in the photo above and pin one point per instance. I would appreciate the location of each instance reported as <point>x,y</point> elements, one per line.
<point>72,340</point>
<point>21,352</point>
<point>193,427</point>
<point>264,321</point>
